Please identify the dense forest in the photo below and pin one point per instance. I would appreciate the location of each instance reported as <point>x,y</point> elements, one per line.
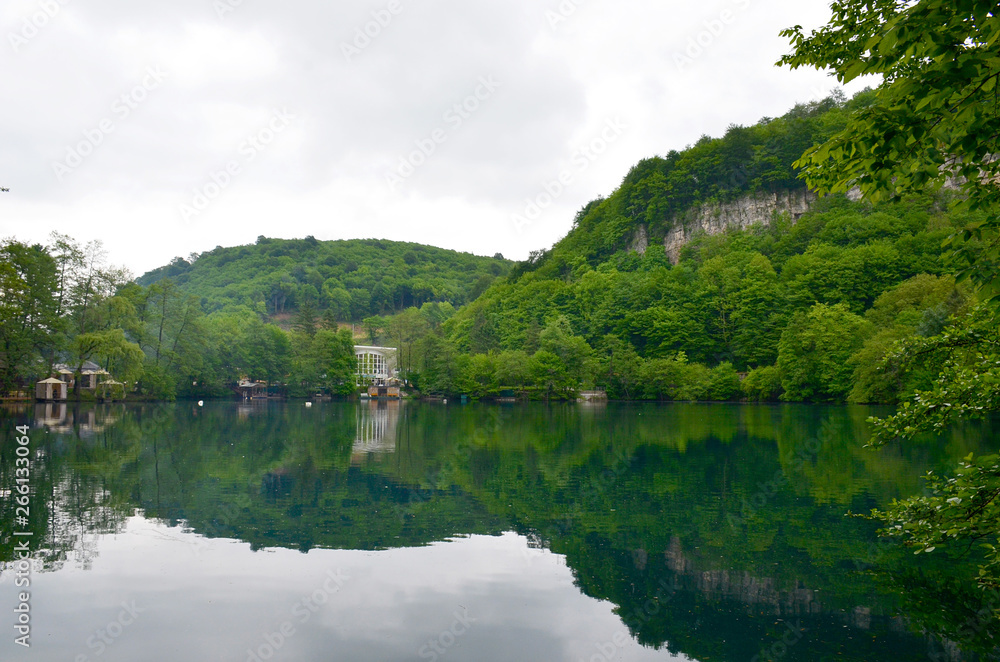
<point>799,309</point>
<point>802,309</point>
<point>65,303</point>
<point>806,308</point>
<point>345,280</point>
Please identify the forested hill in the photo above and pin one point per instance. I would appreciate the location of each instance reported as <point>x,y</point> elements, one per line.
<point>659,192</point>
<point>351,279</point>
<point>807,303</point>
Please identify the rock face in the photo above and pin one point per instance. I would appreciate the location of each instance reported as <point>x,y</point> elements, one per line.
<point>640,241</point>
<point>740,214</point>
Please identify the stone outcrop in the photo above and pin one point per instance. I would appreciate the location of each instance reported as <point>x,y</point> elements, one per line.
<point>640,240</point>
<point>759,208</point>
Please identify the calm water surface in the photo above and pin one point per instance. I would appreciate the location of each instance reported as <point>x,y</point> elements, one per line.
<point>383,532</point>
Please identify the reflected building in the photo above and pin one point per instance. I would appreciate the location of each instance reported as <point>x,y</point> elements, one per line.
<point>250,407</point>
<point>58,417</point>
<point>376,424</point>
<point>51,414</point>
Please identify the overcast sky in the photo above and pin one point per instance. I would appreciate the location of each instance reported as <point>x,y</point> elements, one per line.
<point>172,127</point>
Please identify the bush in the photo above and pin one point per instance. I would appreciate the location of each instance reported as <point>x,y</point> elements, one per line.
<point>156,383</point>
<point>696,383</point>
<point>724,382</point>
<point>763,384</point>
<point>815,350</point>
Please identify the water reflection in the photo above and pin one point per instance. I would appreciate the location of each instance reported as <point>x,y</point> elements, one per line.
<point>60,417</point>
<point>708,532</point>
<point>376,425</point>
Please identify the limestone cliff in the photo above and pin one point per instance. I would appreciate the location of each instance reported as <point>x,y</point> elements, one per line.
<point>739,214</point>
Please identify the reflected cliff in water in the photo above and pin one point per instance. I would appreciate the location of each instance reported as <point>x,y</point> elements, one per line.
<point>713,529</point>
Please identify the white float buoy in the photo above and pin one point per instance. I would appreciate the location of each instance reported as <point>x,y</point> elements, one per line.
<point>201,403</point>
<point>309,404</point>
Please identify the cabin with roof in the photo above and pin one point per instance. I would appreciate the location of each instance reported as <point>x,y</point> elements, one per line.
<point>251,390</point>
<point>91,375</point>
<point>51,390</point>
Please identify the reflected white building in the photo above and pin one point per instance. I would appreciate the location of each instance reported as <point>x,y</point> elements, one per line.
<point>376,423</point>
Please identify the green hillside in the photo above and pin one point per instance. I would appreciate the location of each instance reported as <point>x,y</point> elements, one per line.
<point>658,191</point>
<point>807,305</point>
<point>801,307</point>
<point>352,279</point>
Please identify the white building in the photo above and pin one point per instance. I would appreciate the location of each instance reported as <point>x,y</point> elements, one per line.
<point>376,365</point>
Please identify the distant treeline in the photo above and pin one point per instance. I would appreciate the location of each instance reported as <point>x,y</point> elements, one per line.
<point>343,280</point>
<point>803,312</point>
<point>798,310</point>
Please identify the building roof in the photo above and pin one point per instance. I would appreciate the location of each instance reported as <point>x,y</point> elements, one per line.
<point>88,366</point>
<point>52,381</point>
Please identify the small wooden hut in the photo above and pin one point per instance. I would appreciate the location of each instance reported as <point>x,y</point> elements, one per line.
<point>51,390</point>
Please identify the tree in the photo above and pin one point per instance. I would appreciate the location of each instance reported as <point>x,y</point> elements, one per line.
<point>440,374</point>
<point>814,350</point>
<point>762,384</point>
<point>120,357</point>
<point>620,370</point>
<point>373,327</point>
<point>306,320</point>
<point>932,119</point>
<point>964,509</point>
<point>549,372</point>
<point>334,352</point>
<point>28,310</point>
<point>406,330</point>
<point>513,368</point>
<point>573,351</point>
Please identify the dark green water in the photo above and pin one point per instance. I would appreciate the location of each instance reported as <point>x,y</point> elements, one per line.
<point>358,532</point>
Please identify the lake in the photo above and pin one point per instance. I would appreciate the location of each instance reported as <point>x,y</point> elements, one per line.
<point>410,531</point>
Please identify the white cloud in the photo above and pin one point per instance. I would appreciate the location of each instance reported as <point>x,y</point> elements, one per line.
<point>356,117</point>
